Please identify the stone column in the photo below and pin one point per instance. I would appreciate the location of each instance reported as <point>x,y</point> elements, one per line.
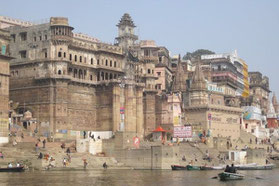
<point>139,112</point>
<point>116,107</point>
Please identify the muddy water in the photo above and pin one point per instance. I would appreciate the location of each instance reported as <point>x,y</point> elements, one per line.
<point>134,178</point>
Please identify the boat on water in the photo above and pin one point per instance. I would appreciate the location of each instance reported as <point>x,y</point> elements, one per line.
<point>191,167</point>
<point>227,176</point>
<point>212,167</point>
<point>178,167</point>
<point>12,169</point>
<point>256,167</point>
<point>187,167</point>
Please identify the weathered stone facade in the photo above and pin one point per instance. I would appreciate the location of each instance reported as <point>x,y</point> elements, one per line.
<point>4,86</point>
<point>72,82</point>
<point>207,112</point>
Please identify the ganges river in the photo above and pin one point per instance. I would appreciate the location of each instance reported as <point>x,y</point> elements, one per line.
<point>134,177</point>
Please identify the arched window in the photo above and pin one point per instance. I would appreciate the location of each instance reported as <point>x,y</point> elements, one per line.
<point>59,54</point>
<point>110,63</point>
<point>106,62</point>
<point>110,76</point>
<point>91,77</point>
<point>75,57</point>
<point>59,72</point>
<point>91,61</point>
<point>106,76</point>
<point>75,73</point>
<point>114,76</point>
<point>80,74</point>
<point>103,76</point>
<point>148,71</point>
<point>64,54</point>
<point>114,63</point>
<point>98,76</point>
<point>70,57</point>
<point>80,59</point>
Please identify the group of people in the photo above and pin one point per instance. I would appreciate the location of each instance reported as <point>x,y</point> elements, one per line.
<point>90,135</point>
<point>231,169</point>
<point>10,165</point>
<point>38,143</point>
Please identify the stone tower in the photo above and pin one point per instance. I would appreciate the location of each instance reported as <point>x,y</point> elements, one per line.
<point>198,90</point>
<point>275,103</point>
<point>126,34</point>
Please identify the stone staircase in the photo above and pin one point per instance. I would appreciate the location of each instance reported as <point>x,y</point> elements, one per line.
<point>193,153</point>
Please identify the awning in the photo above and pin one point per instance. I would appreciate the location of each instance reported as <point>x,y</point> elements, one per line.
<point>159,129</point>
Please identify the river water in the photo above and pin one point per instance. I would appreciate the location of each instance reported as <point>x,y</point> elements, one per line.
<point>135,178</point>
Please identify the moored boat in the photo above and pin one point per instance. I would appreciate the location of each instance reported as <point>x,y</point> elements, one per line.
<point>212,168</point>
<point>256,167</point>
<point>178,167</point>
<point>192,167</point>
<point>226,176</point>
<point>12,169</point>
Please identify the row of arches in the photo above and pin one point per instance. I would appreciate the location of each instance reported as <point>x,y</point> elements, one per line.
<point>106,76</point>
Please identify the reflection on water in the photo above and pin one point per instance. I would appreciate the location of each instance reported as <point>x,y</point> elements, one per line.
<point>134,177</point>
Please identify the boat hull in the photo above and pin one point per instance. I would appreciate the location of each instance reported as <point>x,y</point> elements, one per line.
<point>226,176</point>
<point>178,167</point>
<point>13,169</point>
<point>191,167</point>
<point>265,167</point>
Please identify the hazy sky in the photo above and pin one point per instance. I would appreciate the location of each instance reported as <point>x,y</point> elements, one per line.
<point>250,26</point>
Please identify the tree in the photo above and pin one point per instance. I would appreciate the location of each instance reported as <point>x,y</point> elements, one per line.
<point>197,54</point>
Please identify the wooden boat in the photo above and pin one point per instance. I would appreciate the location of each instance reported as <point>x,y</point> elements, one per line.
<point>178,167</point>
<point>226,176</point>
<point>212,168</point>
<point>12,169</point>
<point>191,167</point>
<point>256,167</point>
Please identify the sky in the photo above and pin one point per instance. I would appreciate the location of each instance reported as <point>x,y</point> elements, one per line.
<point>249,26</point>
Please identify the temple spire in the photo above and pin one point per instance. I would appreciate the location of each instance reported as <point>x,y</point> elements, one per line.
<point>179,83</point>
<point>198,81</point>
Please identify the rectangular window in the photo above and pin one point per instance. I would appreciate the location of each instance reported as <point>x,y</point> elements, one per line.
<point>22,54</point>
<point>98,61</point>
<point>40,38</point>
<point>23,36</point>
<point>13,36</point>
<point>34,39</point>
<point>45,54</point>
<point>45,37</point>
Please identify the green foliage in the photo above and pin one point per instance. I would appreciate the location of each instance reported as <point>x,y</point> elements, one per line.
<point>197,54</point>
